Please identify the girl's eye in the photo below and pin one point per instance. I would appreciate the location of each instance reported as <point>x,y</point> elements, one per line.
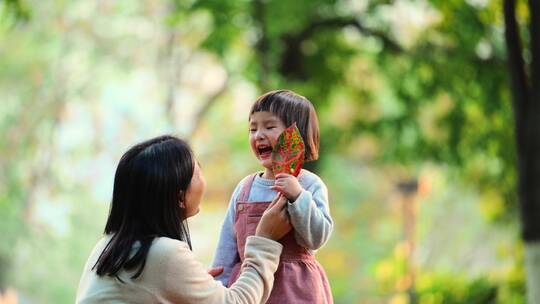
<point>252,130</point>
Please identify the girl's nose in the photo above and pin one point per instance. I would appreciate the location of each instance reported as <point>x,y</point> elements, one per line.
<point>259,134</point>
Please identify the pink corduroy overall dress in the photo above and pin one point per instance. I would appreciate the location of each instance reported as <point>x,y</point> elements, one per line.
<point>299,277</point>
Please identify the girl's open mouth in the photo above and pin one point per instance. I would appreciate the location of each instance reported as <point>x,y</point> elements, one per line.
<point>264,151</point>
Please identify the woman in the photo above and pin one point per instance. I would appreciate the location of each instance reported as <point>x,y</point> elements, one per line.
<point>145,255</point>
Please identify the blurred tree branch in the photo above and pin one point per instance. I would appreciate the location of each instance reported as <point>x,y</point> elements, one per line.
<point>205,108</point>
<point>292,57</point>
<point>173,77</point>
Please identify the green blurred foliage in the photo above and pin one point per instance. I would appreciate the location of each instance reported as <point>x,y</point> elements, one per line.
<point>403,89</point>
<point>449,288</point>
<point>435,92</point>
<point>13,12</point>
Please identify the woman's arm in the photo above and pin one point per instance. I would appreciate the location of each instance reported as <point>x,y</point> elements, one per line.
<point>184,280</point>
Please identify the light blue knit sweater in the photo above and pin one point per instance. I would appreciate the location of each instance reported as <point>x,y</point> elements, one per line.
<point>310,217</point>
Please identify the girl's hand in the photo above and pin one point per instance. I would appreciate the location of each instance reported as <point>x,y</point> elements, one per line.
<point>288,185</point>
<point>274,223</point>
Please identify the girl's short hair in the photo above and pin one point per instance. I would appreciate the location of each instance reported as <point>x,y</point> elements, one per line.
<point>150,181</point>
<point>290,108</point>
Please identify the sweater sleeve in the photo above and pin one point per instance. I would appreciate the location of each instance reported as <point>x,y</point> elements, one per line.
<point>310,216</point>
<point>226,254</point>
<point>184,279</point>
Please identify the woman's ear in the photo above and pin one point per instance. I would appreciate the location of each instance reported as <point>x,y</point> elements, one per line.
<point>181,199</point>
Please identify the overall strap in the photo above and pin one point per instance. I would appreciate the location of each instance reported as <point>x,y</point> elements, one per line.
<point>244,193</point>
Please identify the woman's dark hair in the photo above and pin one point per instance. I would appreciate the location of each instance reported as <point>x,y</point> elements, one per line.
<point>290,108</point>
<point>150,181</point>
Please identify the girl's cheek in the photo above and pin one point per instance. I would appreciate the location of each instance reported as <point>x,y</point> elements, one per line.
<point>276,136</point>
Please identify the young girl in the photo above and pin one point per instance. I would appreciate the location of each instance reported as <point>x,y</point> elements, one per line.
<point>299,277</point>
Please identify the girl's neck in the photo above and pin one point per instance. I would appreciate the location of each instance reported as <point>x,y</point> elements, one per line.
<point>268,174</point>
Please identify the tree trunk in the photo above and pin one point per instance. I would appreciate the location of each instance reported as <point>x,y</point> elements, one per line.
<point>263,44</point>
<point>526,106</point>
<point>531,210</point>
<point>532,270</point>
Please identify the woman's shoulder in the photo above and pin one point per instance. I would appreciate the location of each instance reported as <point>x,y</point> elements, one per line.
<point>163,247</point>
<point>167,254</point>
<point>170,263</point>
<point>164,250</point>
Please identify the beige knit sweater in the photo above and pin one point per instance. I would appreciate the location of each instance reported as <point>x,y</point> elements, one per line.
<point>173,275</point>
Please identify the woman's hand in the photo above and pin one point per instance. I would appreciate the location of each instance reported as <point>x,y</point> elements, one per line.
<point>215,271</point>
<point>274,223</point>
<point>288,185</point>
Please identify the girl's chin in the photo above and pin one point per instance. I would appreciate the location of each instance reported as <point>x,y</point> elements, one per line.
<point>267,163</point>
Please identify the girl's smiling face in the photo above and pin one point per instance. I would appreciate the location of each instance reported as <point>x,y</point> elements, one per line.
<point>264,129</point>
